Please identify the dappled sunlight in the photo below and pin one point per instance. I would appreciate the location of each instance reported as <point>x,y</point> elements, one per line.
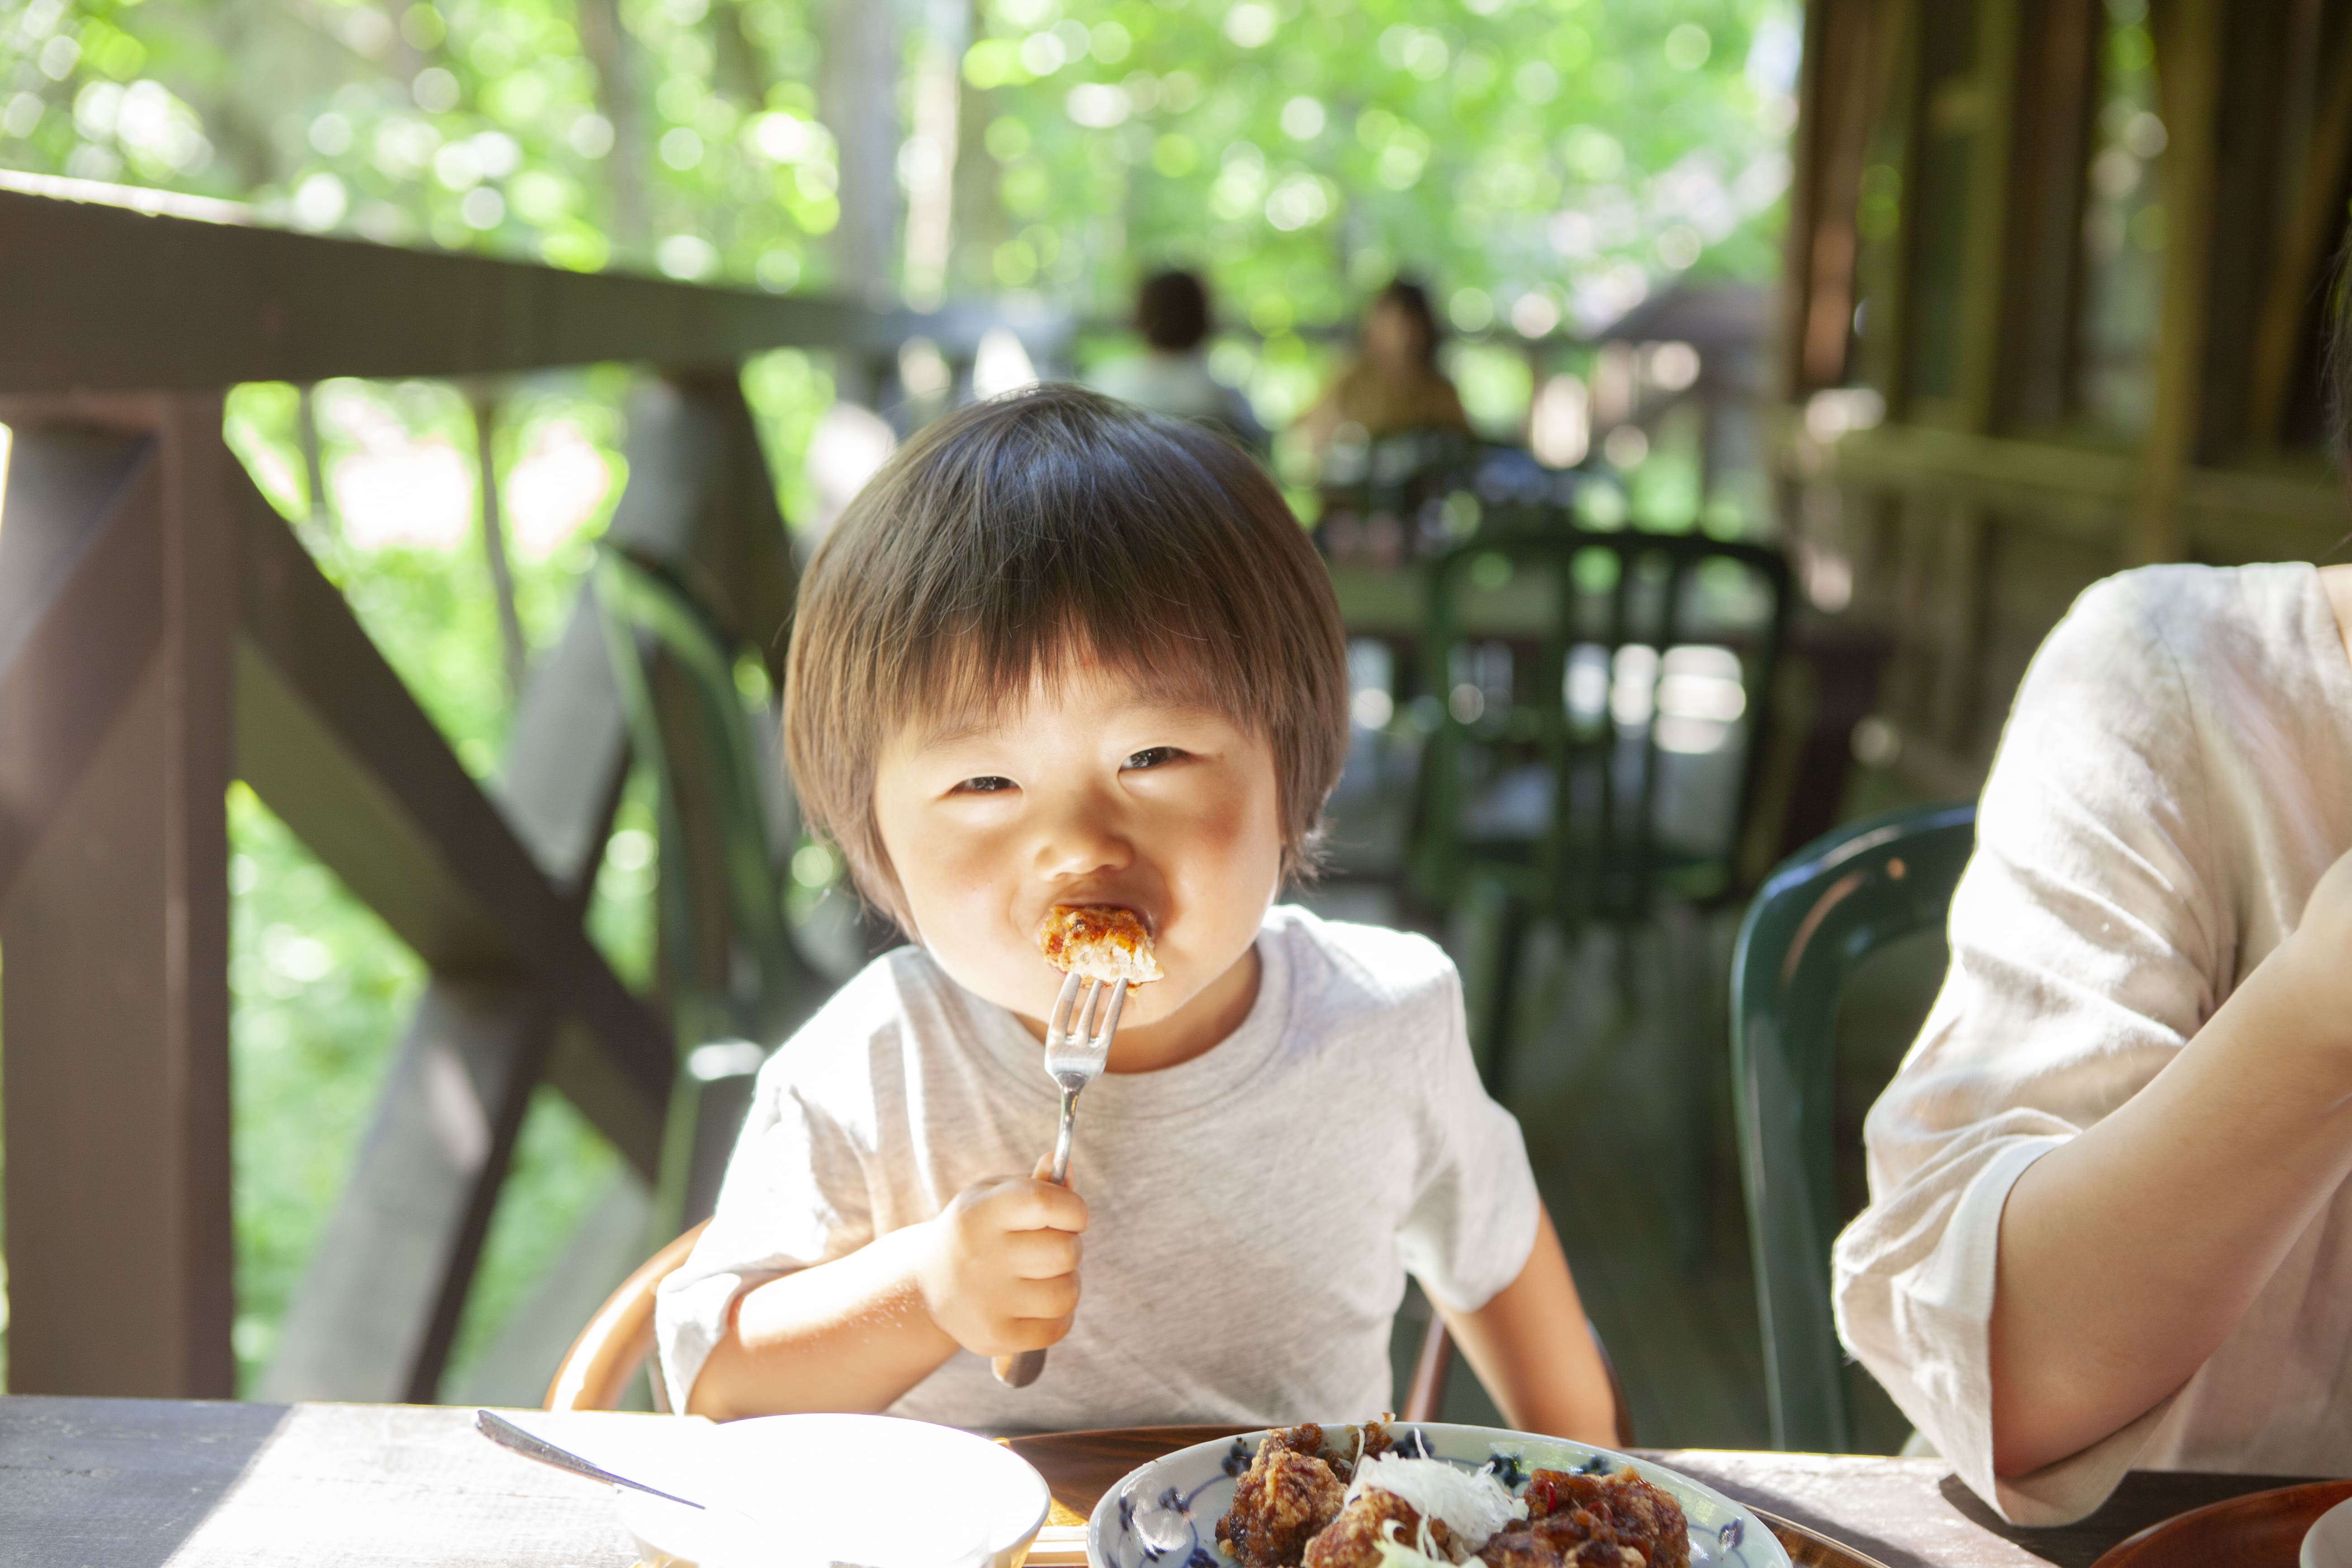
<point>558,484</point>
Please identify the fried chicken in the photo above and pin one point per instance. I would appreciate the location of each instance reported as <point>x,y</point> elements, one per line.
<point>1348,1541</point>
<point>1574,1540</point>
<point>1100,941</point>
<point>1571,1511</point>
<point>1286,1497</point>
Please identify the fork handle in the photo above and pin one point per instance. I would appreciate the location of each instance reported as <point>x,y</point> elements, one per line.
<point>1021,1370</point>
<point>1061,1177</point>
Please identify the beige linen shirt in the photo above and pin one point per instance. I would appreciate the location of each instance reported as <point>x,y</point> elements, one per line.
<point>2174,779</point>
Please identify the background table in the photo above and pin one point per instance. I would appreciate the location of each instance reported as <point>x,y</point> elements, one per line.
<point>109,1483</point>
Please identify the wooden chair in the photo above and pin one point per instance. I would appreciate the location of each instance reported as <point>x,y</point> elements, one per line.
<point>618,1340</point>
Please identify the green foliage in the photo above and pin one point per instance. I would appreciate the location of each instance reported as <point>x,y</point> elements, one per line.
<point>320,986</point>
<point>1538,161</point>
<point>1497,148</point>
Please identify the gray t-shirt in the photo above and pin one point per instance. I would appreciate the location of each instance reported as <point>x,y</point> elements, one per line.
<point>1254,1211</point>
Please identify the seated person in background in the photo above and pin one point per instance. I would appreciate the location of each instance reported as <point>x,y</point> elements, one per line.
<point>1171,375</point>
<point>1394,382</point>
<point>1062,652</point>
<point>2109,1222</point>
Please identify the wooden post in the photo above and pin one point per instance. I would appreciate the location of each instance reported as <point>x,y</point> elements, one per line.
<point>115,927</point>
<point>2191,37</point>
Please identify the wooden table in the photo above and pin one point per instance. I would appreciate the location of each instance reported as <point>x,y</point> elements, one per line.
<point>105,1483</point>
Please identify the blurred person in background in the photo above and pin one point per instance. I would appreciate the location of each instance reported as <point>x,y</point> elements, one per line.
<point>1394,382</point>
<point>1171,375</point>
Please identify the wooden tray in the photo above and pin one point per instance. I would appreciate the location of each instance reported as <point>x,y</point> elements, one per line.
<point>2263,1530</point>
<point>1079,1467</point>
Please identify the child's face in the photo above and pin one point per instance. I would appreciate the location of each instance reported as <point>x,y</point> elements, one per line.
<point>1091,792</point>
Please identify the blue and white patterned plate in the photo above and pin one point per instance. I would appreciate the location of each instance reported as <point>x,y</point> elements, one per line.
<point>1164,1514</point>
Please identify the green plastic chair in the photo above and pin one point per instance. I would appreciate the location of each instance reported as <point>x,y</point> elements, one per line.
<point>1553,661</point>
<point>1825,909</point>
<point>728,967</point>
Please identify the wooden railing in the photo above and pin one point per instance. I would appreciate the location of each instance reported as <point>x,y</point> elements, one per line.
<point>163,633</point>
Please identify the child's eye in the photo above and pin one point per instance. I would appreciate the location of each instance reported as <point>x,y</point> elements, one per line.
<point>986,784</point>
<point>1153,757</point>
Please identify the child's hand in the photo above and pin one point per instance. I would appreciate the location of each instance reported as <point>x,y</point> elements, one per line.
<point>1002,1275</point>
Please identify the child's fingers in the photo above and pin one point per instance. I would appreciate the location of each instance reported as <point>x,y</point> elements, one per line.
<point>1036,1205</point>
<point>1041,1299</point>
<point>1042,1254</point>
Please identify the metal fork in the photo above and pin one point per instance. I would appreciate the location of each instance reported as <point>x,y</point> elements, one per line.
<point>1078,1043</point>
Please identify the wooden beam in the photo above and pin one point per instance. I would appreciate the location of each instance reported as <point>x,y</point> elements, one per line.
<point>1987,284</point>
<point>2080,492</point>
<point>2051,110</point>
<point>428,1177</point>
<point>1886,290</point>
<point>2314,227</point>
<point>2191,41</point>
<point>425,1181</point>
<point>80,610</point>
<point>116,938</point>
<point>96,297</point>
<point>333,741</point>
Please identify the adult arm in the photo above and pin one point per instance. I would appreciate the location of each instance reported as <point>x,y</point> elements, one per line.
<point>2128,1253</point>
<point>2145,832</point>
<point>1530,1346</point>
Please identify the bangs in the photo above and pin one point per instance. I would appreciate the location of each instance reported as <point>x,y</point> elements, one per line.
<point>1014,539</point>
<point>958,685</point>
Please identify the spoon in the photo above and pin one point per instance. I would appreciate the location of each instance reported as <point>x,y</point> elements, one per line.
<point>507,1435</point>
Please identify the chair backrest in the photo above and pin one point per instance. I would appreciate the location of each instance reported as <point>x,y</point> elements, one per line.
<point>1598,704</point>
<point>1817,917</point>
<point>731,966</point>
<point>1392,498</point>
<point>596,1371</point>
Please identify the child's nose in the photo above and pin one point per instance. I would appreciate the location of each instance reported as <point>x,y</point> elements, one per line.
<point>1081,838</point>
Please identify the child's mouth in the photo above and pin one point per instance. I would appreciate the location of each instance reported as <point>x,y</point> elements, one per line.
<point>1100,941</point>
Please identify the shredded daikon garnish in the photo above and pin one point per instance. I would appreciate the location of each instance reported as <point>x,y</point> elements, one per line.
<point>1472,1503</point>
<point>1395,1554</point>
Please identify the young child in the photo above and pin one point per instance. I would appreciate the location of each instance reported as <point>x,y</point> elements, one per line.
<point>1063,652</point>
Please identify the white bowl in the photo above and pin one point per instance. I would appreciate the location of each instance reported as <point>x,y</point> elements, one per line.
<point>804,1492</point>
<point>2328,1542</point>
<point>1164,1514</point>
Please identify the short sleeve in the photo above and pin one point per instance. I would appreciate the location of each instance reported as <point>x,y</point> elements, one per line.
<point>2088,940</point>
<point>1471,1223</point>
<point>794,1196</point>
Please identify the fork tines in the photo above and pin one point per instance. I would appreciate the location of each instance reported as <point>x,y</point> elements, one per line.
<point>1083,1021</point>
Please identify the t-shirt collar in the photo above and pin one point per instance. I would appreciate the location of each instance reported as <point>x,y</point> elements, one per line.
<point>1215,1073</point>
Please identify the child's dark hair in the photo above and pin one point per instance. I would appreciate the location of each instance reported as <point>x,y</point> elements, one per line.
<point>1048,523</point>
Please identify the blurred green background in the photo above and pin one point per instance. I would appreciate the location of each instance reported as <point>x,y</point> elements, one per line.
<point>1543,164</point>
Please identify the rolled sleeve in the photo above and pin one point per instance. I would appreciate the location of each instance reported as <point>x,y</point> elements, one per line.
<point>2086,939</point>
<point>794,1196</point>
